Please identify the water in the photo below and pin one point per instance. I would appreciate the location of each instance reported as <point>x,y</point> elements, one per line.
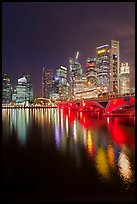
<point>55,155</point>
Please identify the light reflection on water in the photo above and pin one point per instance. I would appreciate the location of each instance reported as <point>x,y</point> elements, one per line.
<point>108,144</point>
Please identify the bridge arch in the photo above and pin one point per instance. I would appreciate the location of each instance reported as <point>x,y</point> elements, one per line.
<point>91,105</point>
<point>118,103</point>
<point>42,101</point>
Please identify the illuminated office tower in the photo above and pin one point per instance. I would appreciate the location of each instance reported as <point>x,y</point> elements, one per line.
<point>14,94</point>
<point>124,78</point>
<point>75,68</point>
<point>21,90</point>
<point>47,77</point>
<point>75,72</point>
<point>103,66</point>
<point>29,87</point>
<point>61,73</point>
<point>6,89</point>
<point>91,71</point>
<point>114,66</point>
<point>54,94</point>
<point>24,90</point>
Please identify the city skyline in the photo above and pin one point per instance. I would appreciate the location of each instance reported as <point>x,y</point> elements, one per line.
<point>33,37</point>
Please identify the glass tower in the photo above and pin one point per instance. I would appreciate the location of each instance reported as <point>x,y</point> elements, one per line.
<point>6,89</point>
<point>47,78</point>
<point>24,90</point>
<point>103,66</point>
<point>91,71</point>
<point>61,73</point>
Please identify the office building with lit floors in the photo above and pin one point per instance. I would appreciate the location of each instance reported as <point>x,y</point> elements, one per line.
<point>29,87</point>
<point>47,78</point>
<point>91,71</point>
<point>103,67</point>
<point>24,90</point>
<point>124,78</point>
<point>6,89</point>
<point>61,73</point>
<point>75,68</point>
<point>114,66</point>
<point>75,73</point>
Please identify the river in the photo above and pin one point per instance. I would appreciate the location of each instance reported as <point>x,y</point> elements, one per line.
<point>50,154</point>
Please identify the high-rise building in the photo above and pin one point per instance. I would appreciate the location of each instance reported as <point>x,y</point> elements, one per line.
<point>103,66</point>
<point>21,90</point>
<point>61,73</point>
<point>75,68</point>
<point>6,89</point>
<point>124,78</point>
<point>75,72</point>
<point>47,78</point>
<point>14,94</point>
<point>55,88</point>
<point>91,71</point>
<point>114,66</point>
<point>29,87</point>
<point>24,90</point>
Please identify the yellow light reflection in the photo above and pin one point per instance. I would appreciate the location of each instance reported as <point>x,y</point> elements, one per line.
<point>102,164</point>
<point>89,142</point>
<point>111,155</point>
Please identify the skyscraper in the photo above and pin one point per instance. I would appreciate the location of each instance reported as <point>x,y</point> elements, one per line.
<point>103,66</point>
<point>47,77</point>
<point>75,72</point>
<point>29,87</point>
<point>61,73</point>
<point>124,78</point>
<point>91,71</point>
<point>114,66</point>
<point>24,90</point>
<point>75,68</point>
<point>21,90</point>
<point>6,89</point>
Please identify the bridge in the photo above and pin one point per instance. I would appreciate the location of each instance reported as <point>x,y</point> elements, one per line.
<point>106,106</point>
<point>112,106</point>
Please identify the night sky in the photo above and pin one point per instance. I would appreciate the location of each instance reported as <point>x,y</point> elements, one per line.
<point>37,35</point>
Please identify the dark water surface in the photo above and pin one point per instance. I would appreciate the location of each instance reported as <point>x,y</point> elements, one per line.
<point>55,155</point>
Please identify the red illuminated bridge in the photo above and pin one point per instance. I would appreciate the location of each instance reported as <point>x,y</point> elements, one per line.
<point>106,106</point>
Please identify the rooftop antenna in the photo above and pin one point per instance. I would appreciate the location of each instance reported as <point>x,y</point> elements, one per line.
<point>77,55</point>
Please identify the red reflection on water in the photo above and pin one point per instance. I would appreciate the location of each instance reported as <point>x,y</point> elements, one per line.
<point>86,121</point>
<point>72,115</point>
<point>119,134</point>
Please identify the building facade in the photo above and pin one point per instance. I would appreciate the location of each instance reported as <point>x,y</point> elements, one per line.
<point>91,71</point>
<point>29,87</point>
<point>124,78</point>
<point>6,89</point>
<point>103,66</point>
<point>24,89</point>
<point>61,73</point>
<point>114,66</point>
<point>75,73</point>
<point>47,78</point>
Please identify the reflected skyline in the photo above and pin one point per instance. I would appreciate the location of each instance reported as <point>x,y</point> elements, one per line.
<point>104,145</point>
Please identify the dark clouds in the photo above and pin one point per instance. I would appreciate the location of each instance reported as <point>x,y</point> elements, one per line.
<point>46,34</point>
